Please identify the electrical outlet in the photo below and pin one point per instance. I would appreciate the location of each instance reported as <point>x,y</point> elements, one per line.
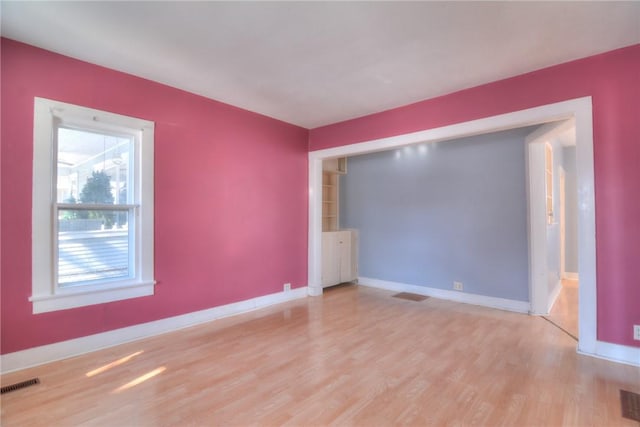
<point>287,287</point>
<point>636,332</point>
<point>457,286</point>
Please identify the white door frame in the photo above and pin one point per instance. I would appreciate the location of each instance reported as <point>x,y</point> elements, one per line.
<point>579,109</point>
<point>563,221</point>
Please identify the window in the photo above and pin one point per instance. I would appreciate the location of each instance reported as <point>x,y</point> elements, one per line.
<point>92,207</point>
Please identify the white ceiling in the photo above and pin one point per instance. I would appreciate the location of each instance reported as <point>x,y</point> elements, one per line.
<point>315,63</point>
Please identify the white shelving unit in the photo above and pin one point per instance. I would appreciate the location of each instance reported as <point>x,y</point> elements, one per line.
<point>330,206</point>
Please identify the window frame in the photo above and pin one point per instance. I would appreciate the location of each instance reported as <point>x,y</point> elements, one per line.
<point>47,296</point>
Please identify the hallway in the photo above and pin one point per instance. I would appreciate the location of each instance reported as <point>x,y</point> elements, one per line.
<point>564,312</point>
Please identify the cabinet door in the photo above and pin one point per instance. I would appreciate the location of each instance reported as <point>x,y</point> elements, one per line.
<point>348,241</point>
<point>330,259</point>
<point>353,256</point>
<point>344,247</point>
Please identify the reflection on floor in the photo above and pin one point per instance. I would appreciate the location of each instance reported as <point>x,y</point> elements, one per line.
<point>565,311</point>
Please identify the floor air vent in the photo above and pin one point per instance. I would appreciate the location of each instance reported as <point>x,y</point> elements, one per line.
<point>410,296</point>
<point>630,403</point>
<point>18,386</point>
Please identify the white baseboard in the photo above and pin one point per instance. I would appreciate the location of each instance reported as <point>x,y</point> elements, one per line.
<point>553,296</point>
<point>570,276</point>
<point>75,347</point>
<point>615,353</point>
<point>493,302</point>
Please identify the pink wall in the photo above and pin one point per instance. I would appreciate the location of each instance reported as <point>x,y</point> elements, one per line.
<point>231,185</point>
<point>613,81</point>
<point>231,197</point>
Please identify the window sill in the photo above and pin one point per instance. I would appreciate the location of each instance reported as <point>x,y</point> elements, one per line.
<point>83,297</point>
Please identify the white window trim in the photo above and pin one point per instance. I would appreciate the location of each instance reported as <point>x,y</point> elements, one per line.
<point>46,296</point>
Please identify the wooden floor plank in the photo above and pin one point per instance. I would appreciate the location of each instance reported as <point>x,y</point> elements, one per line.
<point>355,356</point>
<point>564,312</point>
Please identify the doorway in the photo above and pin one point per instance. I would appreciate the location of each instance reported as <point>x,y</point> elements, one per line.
<point>564,312</point>
<point>578,109</point>
<point>552,198</point>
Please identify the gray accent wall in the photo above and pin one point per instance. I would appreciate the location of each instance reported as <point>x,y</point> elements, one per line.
<point>432,214</point>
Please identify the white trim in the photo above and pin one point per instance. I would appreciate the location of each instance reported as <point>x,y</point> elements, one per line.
<point>78,346</point>
<point>517,119</point>
<point>580,109</point>
<point>553,296</point>
<point>587,294</point>
<point>314,280</point>
<point>45,294</point>
<point>60,301</point>
<point>537,224</point>
<point>615,353</point>
<point>568,275</point>
<point>463,297</point>
<point>563,218</point>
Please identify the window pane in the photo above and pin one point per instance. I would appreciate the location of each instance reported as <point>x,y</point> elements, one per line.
<point>93,167</point>
<point>93,245</point>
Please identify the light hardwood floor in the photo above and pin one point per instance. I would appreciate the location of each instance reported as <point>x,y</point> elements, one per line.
<point>355,356</point>
<point>564,312</point>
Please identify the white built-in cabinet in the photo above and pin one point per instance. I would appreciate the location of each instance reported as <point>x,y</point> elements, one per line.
<point>339,247</point>
<point>339,257</point>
